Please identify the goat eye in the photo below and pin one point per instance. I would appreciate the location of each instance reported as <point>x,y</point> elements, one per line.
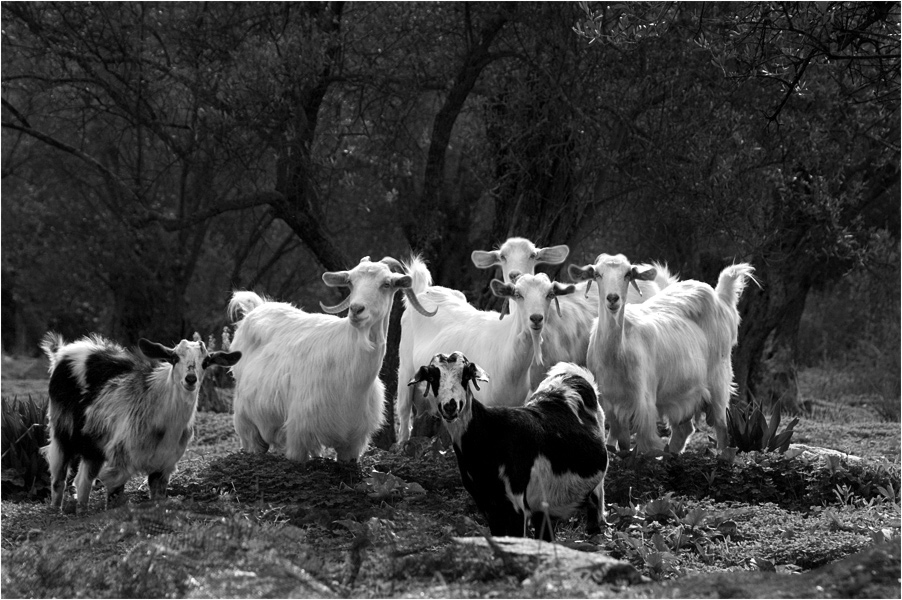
<point>387,284</point>
<point>534,255</point>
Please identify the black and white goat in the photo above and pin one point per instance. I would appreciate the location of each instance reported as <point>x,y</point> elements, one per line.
<point>542,460</point>
<point>121,414</point>
<point>507,348</point>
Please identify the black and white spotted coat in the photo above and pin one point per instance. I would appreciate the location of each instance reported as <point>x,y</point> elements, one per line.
<point>541,461</point>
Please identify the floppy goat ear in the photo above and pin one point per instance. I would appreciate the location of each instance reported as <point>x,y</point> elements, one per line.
<point>586,273</point>
<point>647,274</point>
<point>471,373</point>
<point>561,290</point>
<point>430,375</point>
<point>222,359</point>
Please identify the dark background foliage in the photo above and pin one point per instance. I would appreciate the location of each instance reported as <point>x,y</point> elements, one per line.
<point>157,156</point>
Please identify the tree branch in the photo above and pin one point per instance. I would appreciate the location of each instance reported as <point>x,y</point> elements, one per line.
<point>266,198</point>
<point>111,177</point>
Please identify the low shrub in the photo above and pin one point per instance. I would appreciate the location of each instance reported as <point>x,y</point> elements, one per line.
<point>750,431</point>
<point>24,427</point>
<point>793,483</point>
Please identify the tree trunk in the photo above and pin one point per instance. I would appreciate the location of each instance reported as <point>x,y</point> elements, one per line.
<point>386,436</point>
<point>428,218</point>
<point>764,359</point>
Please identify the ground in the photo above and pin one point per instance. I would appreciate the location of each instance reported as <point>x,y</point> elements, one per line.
<point>239,525</point>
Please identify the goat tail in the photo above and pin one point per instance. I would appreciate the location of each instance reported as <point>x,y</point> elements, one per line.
<point>419,273</point>
<point>243,302</point>
<point>664,277</point>
<point>732,282</point>
<point>51,344</point>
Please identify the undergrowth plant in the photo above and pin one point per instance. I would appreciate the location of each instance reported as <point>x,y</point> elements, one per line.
<point>655,534</point>
<point>24,427</point>
<point>750,431</point>
<point>790,480</point>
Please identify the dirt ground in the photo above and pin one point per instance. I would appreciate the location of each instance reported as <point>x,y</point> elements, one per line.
<point>240,525</point>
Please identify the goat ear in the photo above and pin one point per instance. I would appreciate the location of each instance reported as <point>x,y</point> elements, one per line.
<point>645,274</point>
<point>553,255</point>
<point>222,359</point>
<point>563,290</point>
<point>403,282</point>
<point>484,259</point>
<point>157,351</point>
<point>337,278</point>
<point>581,273</point>
<point>423,374</point>
<point>501,289</point>
<point>473,373</point>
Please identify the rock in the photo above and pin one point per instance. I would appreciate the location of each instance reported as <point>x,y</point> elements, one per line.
<point>813,453</point>
<point>600,567</point>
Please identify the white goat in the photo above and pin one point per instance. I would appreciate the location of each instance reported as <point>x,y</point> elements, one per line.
<point>669,355</point>
<point>506,347</point>
<point>309,381</point>
<point>566,336</point>
<point>120,414</point>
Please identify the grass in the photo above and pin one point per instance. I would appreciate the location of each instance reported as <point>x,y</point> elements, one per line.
<point>261,526</point>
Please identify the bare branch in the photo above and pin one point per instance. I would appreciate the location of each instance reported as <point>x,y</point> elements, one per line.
<point>264,198</point>
<point>111,177</point>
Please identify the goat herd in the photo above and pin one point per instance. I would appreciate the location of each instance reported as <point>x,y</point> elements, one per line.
<point>523,398</point>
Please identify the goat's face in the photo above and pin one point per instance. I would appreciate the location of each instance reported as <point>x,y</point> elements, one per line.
<point>614,274</point>
<point>189,360</point>
<point>533,295</point>
<point>517,256</point>
<point>372,288</point>
<point>449,377</point>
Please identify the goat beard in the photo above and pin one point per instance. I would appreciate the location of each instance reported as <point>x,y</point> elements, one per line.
<point>536,346</point>
<point>373,337</point>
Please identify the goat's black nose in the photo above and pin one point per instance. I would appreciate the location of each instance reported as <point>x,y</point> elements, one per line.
<point>537,319</point>
<point>356,309</point>
<point>191,378</point>
<point>513,275</point>
<point>612,298</point>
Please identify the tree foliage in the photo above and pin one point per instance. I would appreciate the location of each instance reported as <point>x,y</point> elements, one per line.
<point>165,154</point>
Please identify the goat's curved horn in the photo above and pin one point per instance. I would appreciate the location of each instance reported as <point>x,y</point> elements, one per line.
<point>341,306</point>
<point>414,302</point>
<point>394,265</point>
<point>397,267</point>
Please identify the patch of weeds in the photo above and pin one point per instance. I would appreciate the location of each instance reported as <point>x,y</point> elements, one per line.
<point>653,535</point>
<point>790,481</point>
<point>384,486</point>
<point>24,431</point>
<point>158,551</point>
<point>750,431</point>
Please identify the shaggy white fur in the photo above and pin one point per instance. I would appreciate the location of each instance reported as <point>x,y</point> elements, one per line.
<point>506,347</point>
<point>669,355</point>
